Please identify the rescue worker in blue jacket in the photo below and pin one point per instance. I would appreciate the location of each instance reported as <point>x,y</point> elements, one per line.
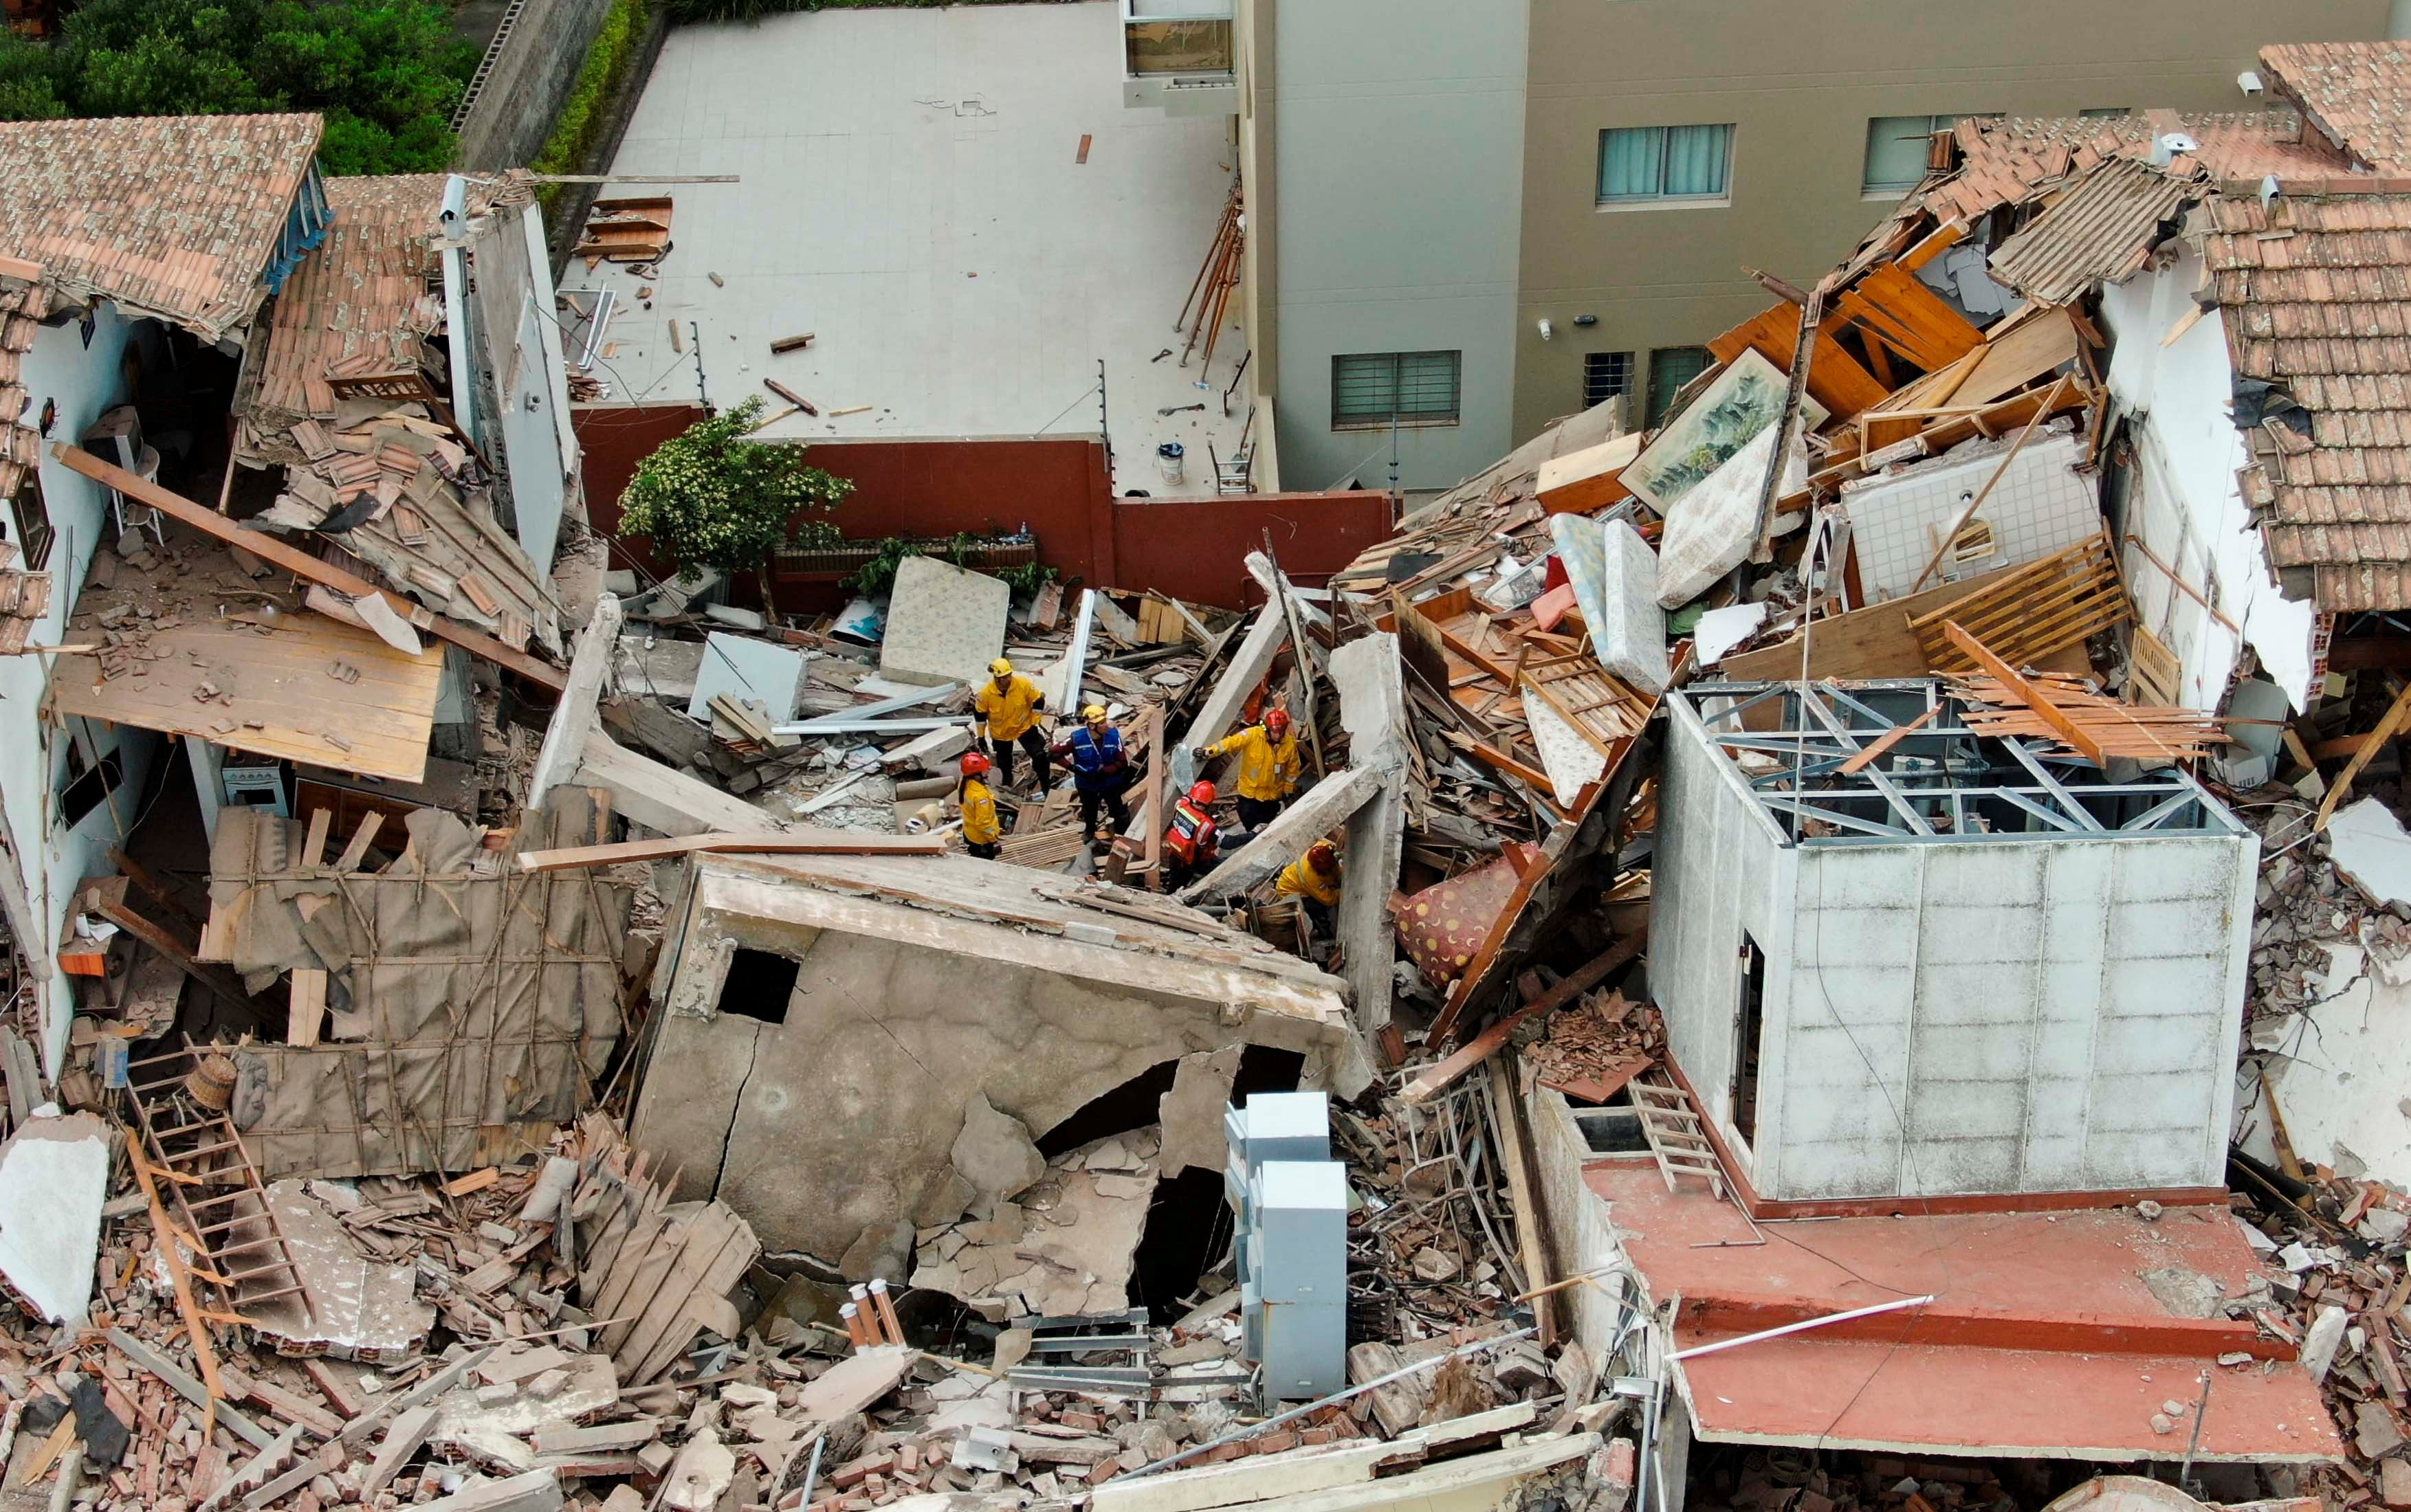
<point>1099,771</point>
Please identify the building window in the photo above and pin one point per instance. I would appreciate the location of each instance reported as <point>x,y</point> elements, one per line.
<point>759,986</point>
<point>1670,369</point>
<point>1647,163</point>
<point>1898,147</point>
<point>30,521</point>
<point>88,785</point>
<point>2107,112</point>
<point>1605,374</point>
<point>1373,388</point>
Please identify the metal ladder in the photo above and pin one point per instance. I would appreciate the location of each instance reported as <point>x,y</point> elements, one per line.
<point>1672,1127</point>
<point>192,1148</point>
<point>486,65</point>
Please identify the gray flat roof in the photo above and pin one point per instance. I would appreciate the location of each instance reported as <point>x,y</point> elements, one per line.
<point>912,193</point>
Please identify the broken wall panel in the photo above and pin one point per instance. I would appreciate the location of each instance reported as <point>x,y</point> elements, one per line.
<point>462,993</point>
<point>918,984</point>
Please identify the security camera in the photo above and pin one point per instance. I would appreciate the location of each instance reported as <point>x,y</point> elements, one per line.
<point>1547,331</point>
<point>2249,82</point>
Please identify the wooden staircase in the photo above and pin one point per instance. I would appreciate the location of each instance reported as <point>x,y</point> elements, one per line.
<point>211,1186</point>
<point>1672,1125</point>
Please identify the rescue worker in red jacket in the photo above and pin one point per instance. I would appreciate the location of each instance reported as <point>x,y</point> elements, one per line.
<point>1193,842</point>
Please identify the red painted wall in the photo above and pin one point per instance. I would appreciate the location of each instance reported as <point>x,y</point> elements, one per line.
<point>1195,548</point>
<point>1056,488</point>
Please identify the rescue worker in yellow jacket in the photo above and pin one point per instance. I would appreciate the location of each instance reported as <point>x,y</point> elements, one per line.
<point>982,836</point>
<point>1268,768</point>
<point>1314,878</point>
<point>1006,709</point>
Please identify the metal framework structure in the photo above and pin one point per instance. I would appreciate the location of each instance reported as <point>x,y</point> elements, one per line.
<point>1930,778</point>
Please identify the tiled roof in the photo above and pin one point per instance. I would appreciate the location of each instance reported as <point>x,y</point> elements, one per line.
<point>2358,92</point>
<point>171,216</point>
<point>2103,229</point>
<point>2316,293</point>
<point>360,302</point>
<point>2017,159</point>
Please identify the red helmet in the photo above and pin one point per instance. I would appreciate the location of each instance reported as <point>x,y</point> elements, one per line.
<point>1202,794</point>
<point>974,763</point>
<point>1322,856</point>
<point>1277,722</point>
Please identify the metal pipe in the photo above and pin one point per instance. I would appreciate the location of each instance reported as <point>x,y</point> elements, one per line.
<point>1801,1326</point>
<point>853,1321</point>
<point>886,1311</point>
<point>1476,1347</point>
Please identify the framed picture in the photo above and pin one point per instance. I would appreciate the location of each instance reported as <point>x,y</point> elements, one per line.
<point>1744,400</point>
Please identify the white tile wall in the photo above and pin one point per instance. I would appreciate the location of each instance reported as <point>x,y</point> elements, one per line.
<point>2042,505</point>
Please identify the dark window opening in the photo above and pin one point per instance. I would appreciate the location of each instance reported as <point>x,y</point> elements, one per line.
<point>759,986</point>
<point>88,787</point>
<point>1605,374</point>
<point>31,521</point>
<point>1749,1027</point>
<point>1670,369</point>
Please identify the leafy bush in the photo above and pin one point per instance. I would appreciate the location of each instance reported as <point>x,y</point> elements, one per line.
<point>710,496</point>
<point>696,10</point>
<point>386,74</point>
<point>582,117</point>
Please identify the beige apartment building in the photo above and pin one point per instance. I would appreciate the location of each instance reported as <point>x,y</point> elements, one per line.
<point>1466,218</point>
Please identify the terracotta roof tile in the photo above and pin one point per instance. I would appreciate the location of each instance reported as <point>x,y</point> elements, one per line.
<point>2358,92</point>
<point>169,216</point>
<point>359,299</point>
<point>2317,294</point>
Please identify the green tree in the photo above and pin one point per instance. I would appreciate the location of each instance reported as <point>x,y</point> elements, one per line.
<point>386,74</point>
<point>712,498</point>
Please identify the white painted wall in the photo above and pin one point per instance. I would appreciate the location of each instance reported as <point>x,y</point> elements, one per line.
<point>2003,1015</point>
<point>50,861</point>
<point>2183,503</point>
<point>1722,868</point>
<point>2340,1070</point>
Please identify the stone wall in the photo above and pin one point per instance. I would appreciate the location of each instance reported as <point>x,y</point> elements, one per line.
<point>536,61</point>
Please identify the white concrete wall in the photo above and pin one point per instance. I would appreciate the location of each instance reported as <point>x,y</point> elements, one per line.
<point>517,342</point>
<point>1398,152</point>
<point>49,860</point>
<point>1722,869</point>
<point>2183,503</point>
<point>2011,1016</point>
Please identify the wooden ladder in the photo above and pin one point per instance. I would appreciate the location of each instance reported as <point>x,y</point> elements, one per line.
<point>1672,1125</point>
<point>219,1200</point>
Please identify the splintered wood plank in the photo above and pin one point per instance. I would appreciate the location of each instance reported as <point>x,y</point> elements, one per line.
<point>2031,611</point>
<point>2077,736</point>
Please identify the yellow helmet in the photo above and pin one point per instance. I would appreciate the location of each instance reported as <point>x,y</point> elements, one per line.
<point>1000,667</point>
<point>1094,713</point>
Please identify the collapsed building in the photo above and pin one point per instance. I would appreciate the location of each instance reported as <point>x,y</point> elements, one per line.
<point>1836,886</point>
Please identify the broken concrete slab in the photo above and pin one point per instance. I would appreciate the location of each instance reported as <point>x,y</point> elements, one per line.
<point>2369,847</point>
<point>1259,1478</point>
<point>995,1152</point>
<point>747,670</point>
<point>492,1434</point>
<point>53,1183</point>
<point>537,1490</point>
<point>1220,714</point>
<point>855,1384</point>
<point>1192,1112</point>
<point>920,982</point>
<point>1065,1249</point>
<point>576,716</point>
<point>1315,813</point>
<point>662,798</point>
<point>1373,710</point>
<point>358,1308</point>
<point>945,623</point>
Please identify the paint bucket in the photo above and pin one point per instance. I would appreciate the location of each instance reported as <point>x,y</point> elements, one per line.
<point>1171,461</point>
